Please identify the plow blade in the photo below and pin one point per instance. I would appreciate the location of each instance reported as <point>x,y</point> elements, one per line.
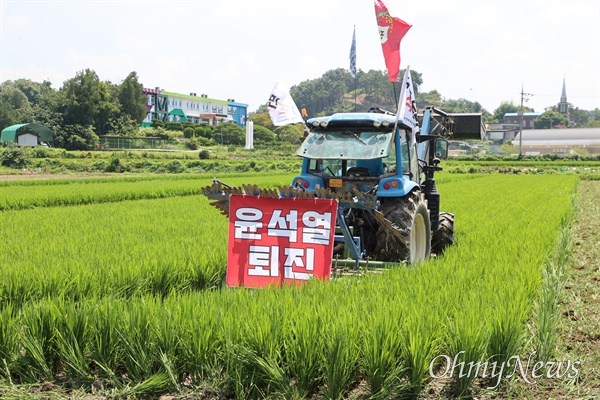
<point>219,194</point>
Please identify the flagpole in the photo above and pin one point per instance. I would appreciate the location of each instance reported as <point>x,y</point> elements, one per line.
<point>355,76</point>
<point>353,71</point>
<point>395,96</point>
<point>355,80</point>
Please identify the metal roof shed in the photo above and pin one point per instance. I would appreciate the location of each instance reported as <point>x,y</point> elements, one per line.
<point>12,133</point>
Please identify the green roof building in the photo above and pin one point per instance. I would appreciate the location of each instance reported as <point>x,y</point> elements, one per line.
<point>27,134</point>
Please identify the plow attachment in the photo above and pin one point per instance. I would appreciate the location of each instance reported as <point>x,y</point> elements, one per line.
<point>219,193</point>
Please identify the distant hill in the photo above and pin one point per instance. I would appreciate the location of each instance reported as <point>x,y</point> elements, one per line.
<point>337,91</point>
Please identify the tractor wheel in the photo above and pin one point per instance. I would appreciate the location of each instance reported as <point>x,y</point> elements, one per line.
<point>444,235</point>
<point>411,216</point>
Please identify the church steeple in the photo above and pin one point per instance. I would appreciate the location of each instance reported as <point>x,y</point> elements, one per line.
<point>563,106</point>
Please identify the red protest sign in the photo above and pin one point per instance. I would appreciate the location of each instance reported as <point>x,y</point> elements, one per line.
<point>274,241</point>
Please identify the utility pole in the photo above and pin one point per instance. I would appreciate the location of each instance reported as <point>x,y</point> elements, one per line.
<point>523,94</point>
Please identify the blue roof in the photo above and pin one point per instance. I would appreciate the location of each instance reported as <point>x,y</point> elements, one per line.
<point>530,114</point>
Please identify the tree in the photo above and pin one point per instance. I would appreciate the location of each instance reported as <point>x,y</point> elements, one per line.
<point>14,105</point>
<point>431,98</point>
<point>205,131</point>
<point>293,134</point>
<point>550,119</point>
<point>263,119</point>
<point>47,108</point>
<point>76,137</point>
<point>88,102</point>
<point>263,135</point>
<point>505,108</point>
<point>132,99</point>
<point>123,125</point>
<point>229,133</point>
<point>577,117</point>
<point>330,93</point>
<point>8,115</point>
<point>461,106</point>
<point>188,133</point>
<point>31,89</point>
<point>594,121</point>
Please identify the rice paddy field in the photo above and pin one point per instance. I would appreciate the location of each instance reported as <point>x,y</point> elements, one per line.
<point>112,287</point>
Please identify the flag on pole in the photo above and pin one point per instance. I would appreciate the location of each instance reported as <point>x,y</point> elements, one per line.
<point>282,109</point>
<point>391,32</point>
<point>407,105</point>
<point>353,55</point>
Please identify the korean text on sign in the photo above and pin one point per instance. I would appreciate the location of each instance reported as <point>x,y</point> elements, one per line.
<point>272,241</point>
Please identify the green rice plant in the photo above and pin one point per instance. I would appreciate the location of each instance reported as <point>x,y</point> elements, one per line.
<point>507,326</point>
<point>8,339</point>
<point>199,344</point>
<point>467,337</point>
<point>40,354</point>
<point>243,375</point>
<point>105,347</point>
<point>547,313</point>
<point>72,354</point>
<point>383,366</point>
<point>303,349</point>
<point>168,344</point>
<point>341,356</point>
<point>420,342</point>
<point>136,334</point>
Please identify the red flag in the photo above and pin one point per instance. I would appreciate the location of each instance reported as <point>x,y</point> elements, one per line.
<point>391,32</point>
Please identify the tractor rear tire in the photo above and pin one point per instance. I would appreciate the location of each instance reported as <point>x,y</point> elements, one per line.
<point>411,216</point>
<point>444,235</point>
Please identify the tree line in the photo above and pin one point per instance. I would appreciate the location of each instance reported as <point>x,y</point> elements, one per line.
<point>80,110</point>
<point>85,107</point>
<point>338,91</point>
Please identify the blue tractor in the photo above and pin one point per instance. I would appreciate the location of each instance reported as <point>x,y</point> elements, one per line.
<point>383,177</point>
<point>376,154</point>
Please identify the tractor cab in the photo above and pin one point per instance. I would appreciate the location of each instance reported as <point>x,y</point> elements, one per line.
<point>358,151</point>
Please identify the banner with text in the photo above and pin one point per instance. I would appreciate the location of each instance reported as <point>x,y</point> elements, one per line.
<point>273,241</point>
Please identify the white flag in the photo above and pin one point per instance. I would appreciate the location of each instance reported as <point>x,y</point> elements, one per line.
<point>282,108</point>
<point>407,105</point>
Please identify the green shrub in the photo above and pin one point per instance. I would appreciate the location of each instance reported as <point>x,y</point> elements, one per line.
<point>204,154</point>
<point>114,165</point>
<point>188,133</point>
<point>174,167</point>
<point>100,166</point>
<point>191,143</point>
<point>40,152</point>
<point>14,157</point>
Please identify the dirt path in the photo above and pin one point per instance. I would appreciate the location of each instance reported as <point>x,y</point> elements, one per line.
<point>579,329</point>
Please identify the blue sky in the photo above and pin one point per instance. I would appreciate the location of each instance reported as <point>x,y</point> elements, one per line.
<point>479,50</point>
